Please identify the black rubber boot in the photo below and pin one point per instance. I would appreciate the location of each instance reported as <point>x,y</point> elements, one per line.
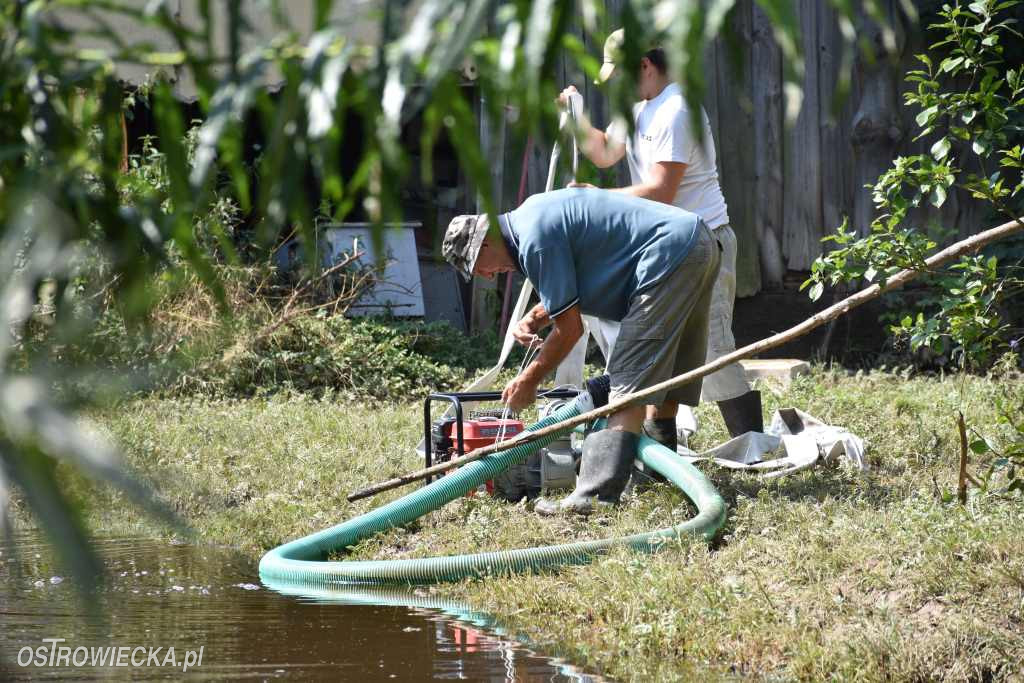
<point>604,472</point>
<point>743,414</point>
<point>662,430</point>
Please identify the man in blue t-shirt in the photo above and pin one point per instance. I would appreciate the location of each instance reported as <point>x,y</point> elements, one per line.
<point>649,265</point>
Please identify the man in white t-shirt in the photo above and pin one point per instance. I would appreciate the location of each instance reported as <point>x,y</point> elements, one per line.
<point>668,164</point>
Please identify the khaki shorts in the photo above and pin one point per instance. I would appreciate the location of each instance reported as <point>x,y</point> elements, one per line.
<point>665,330</point>
<point>730,381</point>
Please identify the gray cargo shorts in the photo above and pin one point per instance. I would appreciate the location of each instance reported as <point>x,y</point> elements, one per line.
<point>665,330</point>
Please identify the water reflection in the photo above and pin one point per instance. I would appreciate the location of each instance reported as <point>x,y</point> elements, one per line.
<point>182,597</point>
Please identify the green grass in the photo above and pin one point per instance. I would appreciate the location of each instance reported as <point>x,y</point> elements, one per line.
<point>827,574</point>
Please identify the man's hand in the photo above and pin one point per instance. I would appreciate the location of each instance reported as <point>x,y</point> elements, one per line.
<point>593,142</point>
<point>576,184</point>
<point>525,332</point>
<point>519,393</point>
<point>573,95</point>
<point>568,328</point>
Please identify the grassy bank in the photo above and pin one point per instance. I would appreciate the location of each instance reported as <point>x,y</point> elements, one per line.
<point>826,574</point>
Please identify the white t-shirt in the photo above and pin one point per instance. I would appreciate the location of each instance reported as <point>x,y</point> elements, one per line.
<point>664,133</point>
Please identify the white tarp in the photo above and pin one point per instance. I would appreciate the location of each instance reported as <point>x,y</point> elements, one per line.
<point>794,441</point>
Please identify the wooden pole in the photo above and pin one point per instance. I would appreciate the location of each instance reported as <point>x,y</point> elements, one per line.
<point>843,307</point>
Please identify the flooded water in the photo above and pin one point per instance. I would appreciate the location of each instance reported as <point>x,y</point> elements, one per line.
<point>175,611</point>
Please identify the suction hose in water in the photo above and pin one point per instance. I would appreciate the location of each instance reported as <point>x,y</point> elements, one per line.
<point>303,562</point>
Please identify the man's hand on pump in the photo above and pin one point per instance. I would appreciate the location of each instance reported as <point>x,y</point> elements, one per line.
<point>519,393</point>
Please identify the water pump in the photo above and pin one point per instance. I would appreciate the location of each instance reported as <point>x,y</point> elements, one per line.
<point>453,435</point>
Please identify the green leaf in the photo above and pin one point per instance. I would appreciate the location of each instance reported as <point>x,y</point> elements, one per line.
<point>938,197</point>
<point>950,63</point>
<point>940,150</point>
<point>925,116</point>
<point>816,291</point>
<point>980,446</point>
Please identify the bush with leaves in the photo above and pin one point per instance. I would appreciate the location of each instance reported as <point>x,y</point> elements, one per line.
<point>972,101</point>
<point>351,359</point>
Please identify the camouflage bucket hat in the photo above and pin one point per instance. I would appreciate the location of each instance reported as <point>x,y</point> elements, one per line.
<point>462,242</point>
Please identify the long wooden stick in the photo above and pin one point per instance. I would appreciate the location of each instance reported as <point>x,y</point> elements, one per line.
<point>843,307</point>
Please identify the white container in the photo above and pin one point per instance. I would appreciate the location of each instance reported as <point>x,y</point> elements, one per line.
<point>399,290</point>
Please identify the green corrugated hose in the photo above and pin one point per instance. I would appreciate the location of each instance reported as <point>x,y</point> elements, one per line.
<point>302,562</point>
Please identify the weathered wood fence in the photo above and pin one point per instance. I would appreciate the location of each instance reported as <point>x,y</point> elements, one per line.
<point>787,186</point>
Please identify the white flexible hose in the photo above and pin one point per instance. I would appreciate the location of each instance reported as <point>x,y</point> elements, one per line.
<point>574,115</point>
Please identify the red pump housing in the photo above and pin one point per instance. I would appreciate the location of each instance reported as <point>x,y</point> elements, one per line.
<point>478,432</point>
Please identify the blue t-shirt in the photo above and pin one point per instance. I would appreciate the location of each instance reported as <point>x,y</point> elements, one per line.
<point>596,248</point>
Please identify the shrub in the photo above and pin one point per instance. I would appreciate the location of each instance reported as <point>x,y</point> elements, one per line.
<point>189,347</point>
<point>362,359</point>
<point>970,92</point>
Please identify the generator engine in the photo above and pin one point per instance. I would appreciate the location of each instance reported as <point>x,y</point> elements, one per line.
<point>483,428</point>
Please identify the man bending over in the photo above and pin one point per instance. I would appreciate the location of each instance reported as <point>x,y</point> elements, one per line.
<point>648,265</point>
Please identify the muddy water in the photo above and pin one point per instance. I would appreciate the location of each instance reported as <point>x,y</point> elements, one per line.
<point>167,596</point>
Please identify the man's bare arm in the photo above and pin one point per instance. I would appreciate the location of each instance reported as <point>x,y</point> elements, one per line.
<point>665,179</point>
<point>598,148</point>
<point>566,331</point>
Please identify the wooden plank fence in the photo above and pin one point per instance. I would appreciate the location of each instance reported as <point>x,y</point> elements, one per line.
<point>787,186</point>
